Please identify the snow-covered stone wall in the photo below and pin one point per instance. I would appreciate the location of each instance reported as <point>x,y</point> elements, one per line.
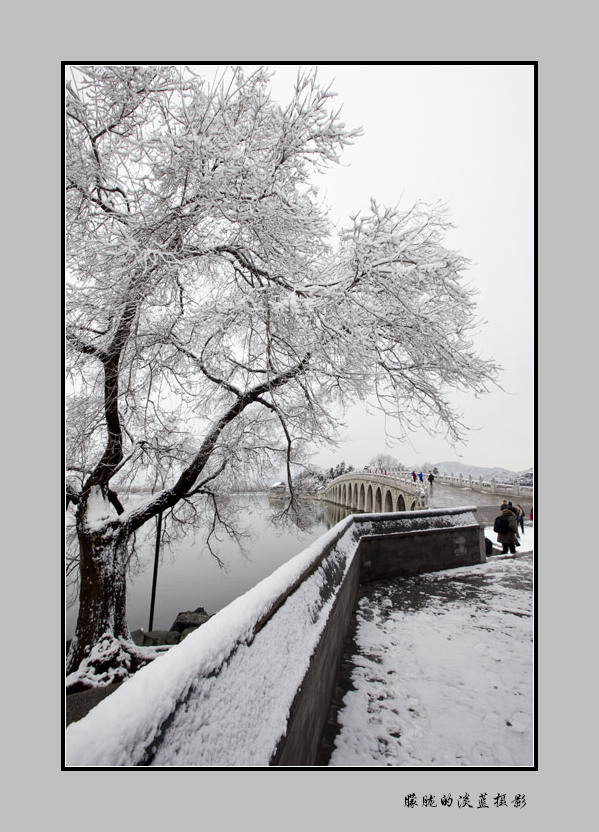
<point>222,697</point>
<point>251,687</point>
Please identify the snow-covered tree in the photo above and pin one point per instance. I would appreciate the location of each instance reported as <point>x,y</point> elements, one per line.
<point>215,321</point>
<point>385,462</point>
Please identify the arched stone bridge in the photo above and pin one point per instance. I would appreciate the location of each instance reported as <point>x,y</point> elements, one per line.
<point>369,492</point>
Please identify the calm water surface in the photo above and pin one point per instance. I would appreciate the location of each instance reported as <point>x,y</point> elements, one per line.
<point>188,575</point>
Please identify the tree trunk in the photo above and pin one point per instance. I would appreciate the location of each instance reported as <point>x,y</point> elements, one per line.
<point>101,651</point>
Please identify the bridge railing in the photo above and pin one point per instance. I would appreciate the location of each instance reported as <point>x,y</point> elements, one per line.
<point>416,494</point>
<point>479,484</point>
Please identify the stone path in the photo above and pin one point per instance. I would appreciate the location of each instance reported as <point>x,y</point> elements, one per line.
<point>438,670</point>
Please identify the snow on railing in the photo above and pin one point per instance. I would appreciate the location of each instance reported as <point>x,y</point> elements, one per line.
<point>251,686</point>
<point>404,477</point>
<point>213,701</point>
<point>478,484</point>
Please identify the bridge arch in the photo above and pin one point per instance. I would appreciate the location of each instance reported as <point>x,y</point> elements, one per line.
<point>379,493</point>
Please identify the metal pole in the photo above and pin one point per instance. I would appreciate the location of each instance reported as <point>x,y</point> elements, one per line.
<point>156,553</point>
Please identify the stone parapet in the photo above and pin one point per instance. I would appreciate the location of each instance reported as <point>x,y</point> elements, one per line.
<point>252,686</point>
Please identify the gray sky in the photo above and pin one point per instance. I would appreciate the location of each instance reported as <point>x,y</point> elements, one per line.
<point>462,135</point>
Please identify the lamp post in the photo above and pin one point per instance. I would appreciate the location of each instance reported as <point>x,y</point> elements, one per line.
<point>155,576</point>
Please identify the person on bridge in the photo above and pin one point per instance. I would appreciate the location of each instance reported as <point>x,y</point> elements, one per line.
<point>413,476</point>
<point>420,477</point>
<point>431,479</point>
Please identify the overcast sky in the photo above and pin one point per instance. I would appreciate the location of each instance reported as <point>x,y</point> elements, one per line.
<point>462,135</point>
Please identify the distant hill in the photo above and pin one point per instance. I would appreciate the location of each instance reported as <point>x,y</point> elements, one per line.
<point>500,474</point>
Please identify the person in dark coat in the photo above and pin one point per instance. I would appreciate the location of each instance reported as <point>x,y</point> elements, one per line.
<point>431,479</point>
<point>413,476</point>
<point>520,511</point>
<point>508,539</point>
<point>515,512</point>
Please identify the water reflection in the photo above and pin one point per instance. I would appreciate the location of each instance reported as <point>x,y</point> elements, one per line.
<point>305,513</point>
<point>190,577</point>
<point>334,513</point>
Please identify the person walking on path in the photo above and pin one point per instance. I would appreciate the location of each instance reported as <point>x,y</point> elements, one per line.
<point>413,476</point>
<point>506,527</point>
<point>431,479</point>
<point>520,511</point>
<point>514,511</point>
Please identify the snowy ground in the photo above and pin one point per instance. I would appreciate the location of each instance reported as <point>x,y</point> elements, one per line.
<point>444,670</point>
<point>442,676</point>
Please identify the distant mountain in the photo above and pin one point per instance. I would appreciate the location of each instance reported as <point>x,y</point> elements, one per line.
<point>499,474</point>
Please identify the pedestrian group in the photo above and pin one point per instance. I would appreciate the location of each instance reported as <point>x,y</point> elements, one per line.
<point>420,477</point>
